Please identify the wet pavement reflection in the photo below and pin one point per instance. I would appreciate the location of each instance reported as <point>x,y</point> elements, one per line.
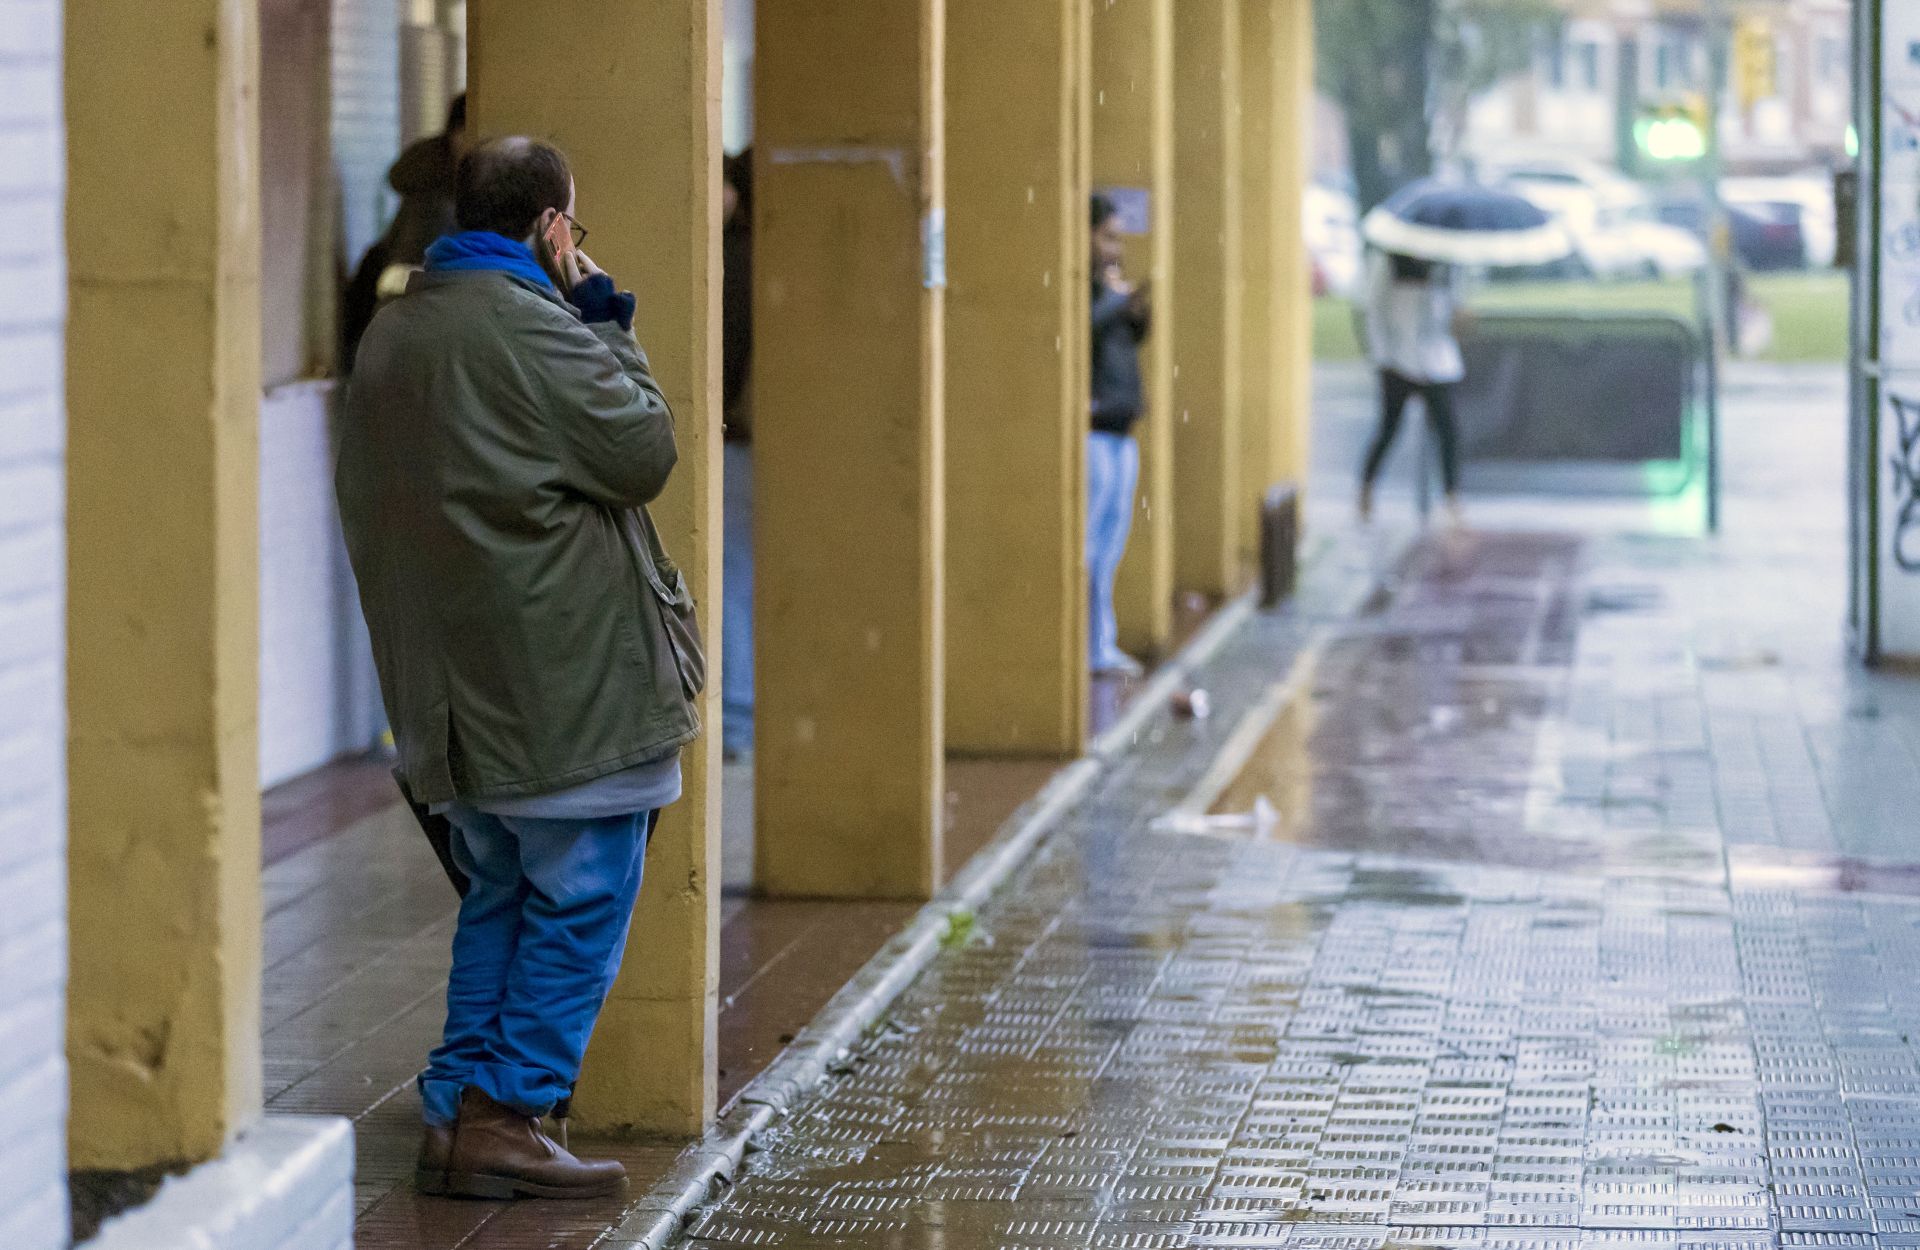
<point>1555,935</point>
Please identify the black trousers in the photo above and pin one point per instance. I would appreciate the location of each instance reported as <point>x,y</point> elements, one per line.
<point>1395,390</point>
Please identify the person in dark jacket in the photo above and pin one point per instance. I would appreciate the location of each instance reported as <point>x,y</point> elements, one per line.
<point>502,437</point>
<point>423,177</point>
<point>736,574</point>
<point>1122,313</point>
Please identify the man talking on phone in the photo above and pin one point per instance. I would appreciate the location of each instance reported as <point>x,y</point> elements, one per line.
<point>502,437</point>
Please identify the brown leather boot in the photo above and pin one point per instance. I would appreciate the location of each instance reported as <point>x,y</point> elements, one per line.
<point>436,1148</point>
<point>499,1153</point>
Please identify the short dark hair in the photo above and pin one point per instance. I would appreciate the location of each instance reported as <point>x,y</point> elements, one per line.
<point>1410,268</point>
<point>505,184</point>
<point>1104,210</point>
<point>457,113</point>
<point>737,170</point>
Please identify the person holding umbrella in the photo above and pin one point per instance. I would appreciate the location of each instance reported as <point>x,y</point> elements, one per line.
<point>1421,236</point>
<point>1411,313</point>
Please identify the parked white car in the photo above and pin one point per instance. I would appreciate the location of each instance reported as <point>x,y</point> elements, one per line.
<point>1612,220</point>
<point>1331,223</point>
<point>1631,242</point>
<point>1564,178</point>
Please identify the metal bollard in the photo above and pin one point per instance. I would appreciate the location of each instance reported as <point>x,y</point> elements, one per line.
<point>1279,544</point>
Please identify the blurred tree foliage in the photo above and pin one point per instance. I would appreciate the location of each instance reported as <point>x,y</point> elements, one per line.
<point>1405,72</point>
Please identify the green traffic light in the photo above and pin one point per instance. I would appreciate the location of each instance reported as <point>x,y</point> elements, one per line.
<point>1670,139</point>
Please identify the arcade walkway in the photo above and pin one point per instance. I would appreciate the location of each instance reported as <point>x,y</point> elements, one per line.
<point>1586,916</point>
<point>1581,917</point>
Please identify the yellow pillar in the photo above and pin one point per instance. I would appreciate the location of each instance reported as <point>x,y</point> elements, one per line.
<point>630,90</point>
<point>848,401</point>
<point>163,396</point>
<point>1276,144</point>
<point>1209,508</point>
<point>1291,332</point>
<point>1262,440</point>
<point>1017,351</point>
<point>1132,150</point>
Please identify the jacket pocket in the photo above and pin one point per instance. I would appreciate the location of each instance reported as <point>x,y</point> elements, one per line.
<point>682,620</point>
<point>679,616</point>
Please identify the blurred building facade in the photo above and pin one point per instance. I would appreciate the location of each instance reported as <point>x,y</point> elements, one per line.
<point>1613,57</point>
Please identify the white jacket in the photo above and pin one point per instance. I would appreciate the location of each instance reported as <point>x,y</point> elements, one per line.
<point>1410,325</point>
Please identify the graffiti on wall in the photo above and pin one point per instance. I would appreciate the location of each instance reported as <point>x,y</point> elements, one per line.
<point>1906,482</point>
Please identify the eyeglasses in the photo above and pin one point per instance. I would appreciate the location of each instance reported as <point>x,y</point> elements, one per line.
<point>578,231</point>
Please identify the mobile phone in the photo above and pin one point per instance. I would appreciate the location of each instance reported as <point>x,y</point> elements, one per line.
<point>560,236</point>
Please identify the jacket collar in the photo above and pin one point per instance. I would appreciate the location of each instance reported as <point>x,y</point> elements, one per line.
<point>483,250</point>
<point>427,279</point>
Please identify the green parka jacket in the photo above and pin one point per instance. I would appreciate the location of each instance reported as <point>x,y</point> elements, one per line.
<point>493,450</point>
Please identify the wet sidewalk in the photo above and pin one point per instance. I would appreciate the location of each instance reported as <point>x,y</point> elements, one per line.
<point>1587,914</point>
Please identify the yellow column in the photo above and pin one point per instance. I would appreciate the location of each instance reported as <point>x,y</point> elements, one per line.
<point>1276,120</point>
<point>848,400</point>
<point>1262,440</point>
<point>630,90</point>
<point>1291,332</point>
<point>1132,150</point>
<point>1017,350</point>
<point>1209,507</point>
<point>163,396</point>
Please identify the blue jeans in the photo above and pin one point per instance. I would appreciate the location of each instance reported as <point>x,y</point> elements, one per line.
<point>1113,475</point>
<point>540,938</point>
<point>736,612</point>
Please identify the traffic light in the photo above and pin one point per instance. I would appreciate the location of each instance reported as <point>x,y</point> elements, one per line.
<point>1673,131</point>
<point>1846,207</point>
<point>1755,61</point>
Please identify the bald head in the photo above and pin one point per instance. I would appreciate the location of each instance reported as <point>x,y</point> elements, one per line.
<point>505,184</point>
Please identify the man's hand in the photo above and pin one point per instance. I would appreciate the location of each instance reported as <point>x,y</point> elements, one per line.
<point>1114,280</point>
<point>576,267</point>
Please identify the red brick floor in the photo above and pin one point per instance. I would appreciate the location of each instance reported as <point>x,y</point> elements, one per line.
<point>359,919</point>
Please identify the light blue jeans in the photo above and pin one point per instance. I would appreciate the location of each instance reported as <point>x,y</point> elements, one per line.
<point>1113,475</point>
<point>736,613</point>
<point>539,941</point>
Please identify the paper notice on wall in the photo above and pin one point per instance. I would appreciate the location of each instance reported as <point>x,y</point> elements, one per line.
<point>1895,465</point>
<point>1900,136</point>
<point>1899,177</point>
<point>1899,540</point>
<point>1899,344</point>
<point>1900,43</point>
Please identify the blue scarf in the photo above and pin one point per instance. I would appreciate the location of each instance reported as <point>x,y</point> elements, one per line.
<point>483,249</point>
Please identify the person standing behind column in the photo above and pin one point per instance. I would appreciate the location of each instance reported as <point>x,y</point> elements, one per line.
<point>502,437</point>
<point>1411,314</point>
<point>423,179</point>
<point>736,332</point>
<point>1122,313</point>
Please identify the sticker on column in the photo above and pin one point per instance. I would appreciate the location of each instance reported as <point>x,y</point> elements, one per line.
<point>1900,276</point>
<point>1133,206</point>
<point>933,249</point>
<point>1900,42</point>
<point>1900,137</point>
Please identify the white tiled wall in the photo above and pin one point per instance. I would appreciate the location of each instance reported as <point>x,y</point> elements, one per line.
<point>318,696</point>
<point>33,1081</point>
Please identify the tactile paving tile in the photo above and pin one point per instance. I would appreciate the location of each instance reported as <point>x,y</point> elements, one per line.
<point>1572,1037</point>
